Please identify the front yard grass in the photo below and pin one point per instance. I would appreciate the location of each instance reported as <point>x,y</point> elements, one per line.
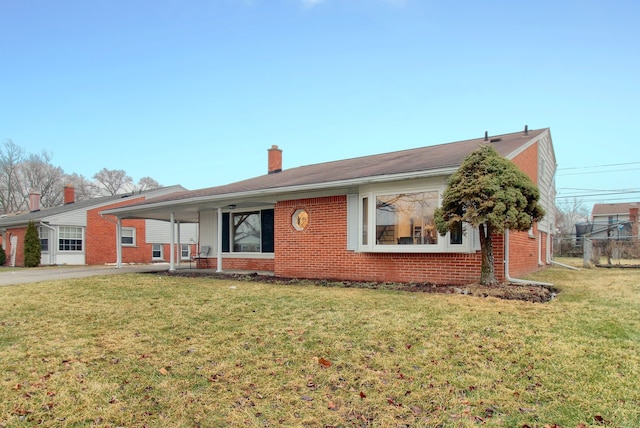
<point>147,350</point>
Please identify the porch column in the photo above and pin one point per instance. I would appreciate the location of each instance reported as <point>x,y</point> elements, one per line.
<point>173,242</point>
<point>119,243</point>
<point>219,262</point>
<point>179,245</point>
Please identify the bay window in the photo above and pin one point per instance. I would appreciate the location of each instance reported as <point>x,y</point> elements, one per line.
<point>396,218</point>
<point>406,219</point>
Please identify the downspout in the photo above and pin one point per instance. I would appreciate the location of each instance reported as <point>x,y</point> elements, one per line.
<point>52,248</point>
<point>173,243</point>
<point>506,267</point>
<point>539,248</point>
<point>179,245</point>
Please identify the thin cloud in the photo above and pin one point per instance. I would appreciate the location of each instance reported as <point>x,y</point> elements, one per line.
<point>311,3</point>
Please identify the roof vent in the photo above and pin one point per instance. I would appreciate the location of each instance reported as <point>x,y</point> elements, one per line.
<point>486,135</point>
<point>495,140</point>
<point>526,130</point>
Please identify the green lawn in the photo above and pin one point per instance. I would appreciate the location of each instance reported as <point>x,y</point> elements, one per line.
<point>140,349</point>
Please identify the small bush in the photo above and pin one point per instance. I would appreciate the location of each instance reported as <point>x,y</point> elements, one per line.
<point>3,257</point>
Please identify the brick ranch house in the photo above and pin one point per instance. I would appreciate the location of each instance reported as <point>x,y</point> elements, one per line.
<point>364,219</point>
<point>75,233</point>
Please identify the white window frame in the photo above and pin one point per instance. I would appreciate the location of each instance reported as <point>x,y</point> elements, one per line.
<point>61,236</point>
<point>232,231</point>
<point>43,234</point>
<point>153,249</point>
<point>371,192</point>
<point>182,251</point>
<point>133,236</point>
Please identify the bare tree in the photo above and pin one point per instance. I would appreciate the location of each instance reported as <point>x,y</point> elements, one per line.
<point>37,172</point>
<point>84,188</point>
<point>11,192</point>
<point>569,213</point>
<point>113,181</point>
<point>147,183</point>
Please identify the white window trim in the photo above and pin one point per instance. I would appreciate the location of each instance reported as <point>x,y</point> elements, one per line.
<point>59,238</point>
<point>188,256</point>
<point>443,246</point>
<point>161,252</point>
<point>232,234</point>
<point>133,230</point>
<point>43,233</point>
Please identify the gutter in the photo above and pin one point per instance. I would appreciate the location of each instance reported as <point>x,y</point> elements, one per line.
<point>506,267</point>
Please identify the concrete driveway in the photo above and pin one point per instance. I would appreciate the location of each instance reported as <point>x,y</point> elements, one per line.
<point>51,273</point>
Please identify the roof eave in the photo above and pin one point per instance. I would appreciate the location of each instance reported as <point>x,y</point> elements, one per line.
<point>225,197</point>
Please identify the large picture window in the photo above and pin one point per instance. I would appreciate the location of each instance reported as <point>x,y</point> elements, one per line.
<point>248,232</point>
<point>406,219</point>
<point>70,238</point>
<point>402,220</point>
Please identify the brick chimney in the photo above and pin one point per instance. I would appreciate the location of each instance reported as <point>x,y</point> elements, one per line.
<point>275,159</point>
<point>633,218</point>
<point>69,194</point>
<point>34,201</point>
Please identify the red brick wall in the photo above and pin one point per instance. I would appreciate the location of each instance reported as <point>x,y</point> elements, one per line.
<point>527,161</point>
<point>258,264</point>
<point>320,251</point>
<point>523,253</point>
<point>523,249</point>
<point>19,232</point>
<point>100,238</point>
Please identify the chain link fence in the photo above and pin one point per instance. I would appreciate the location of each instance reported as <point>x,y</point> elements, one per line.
<point>624,251</point>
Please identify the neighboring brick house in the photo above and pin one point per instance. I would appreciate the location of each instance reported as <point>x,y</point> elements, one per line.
<point>364,219</point>
<point>75,233</point>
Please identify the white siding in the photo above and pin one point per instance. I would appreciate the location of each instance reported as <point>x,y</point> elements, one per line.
<point>70,259</point>
<point>208,229</point>
<point>159,232</point>
<point>546,182</point>
<point>71,218</point>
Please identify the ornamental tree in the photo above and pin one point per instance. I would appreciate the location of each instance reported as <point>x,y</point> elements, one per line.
<point>489,192</point>
<point>32,250</point>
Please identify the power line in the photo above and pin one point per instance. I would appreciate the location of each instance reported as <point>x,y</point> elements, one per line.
<point>599,172</point>
<point>599,166</point>
<point>602,192</point>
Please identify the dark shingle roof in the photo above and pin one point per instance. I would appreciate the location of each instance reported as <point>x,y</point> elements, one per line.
<point>430,158</point>
<point>25,217</point>
<point>22,218</point>
<point>615,208</point>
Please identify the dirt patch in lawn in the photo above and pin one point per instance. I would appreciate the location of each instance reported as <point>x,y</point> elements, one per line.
<point>508,291</point>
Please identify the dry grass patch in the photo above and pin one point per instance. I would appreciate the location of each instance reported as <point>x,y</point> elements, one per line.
<point>134,350</point>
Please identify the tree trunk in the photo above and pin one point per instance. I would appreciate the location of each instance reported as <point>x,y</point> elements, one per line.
<point>487,271</point>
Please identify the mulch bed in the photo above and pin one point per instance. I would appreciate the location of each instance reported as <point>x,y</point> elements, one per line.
<point>508,291</point>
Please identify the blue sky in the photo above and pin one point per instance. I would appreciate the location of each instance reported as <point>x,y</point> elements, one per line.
<point>195,92</point>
